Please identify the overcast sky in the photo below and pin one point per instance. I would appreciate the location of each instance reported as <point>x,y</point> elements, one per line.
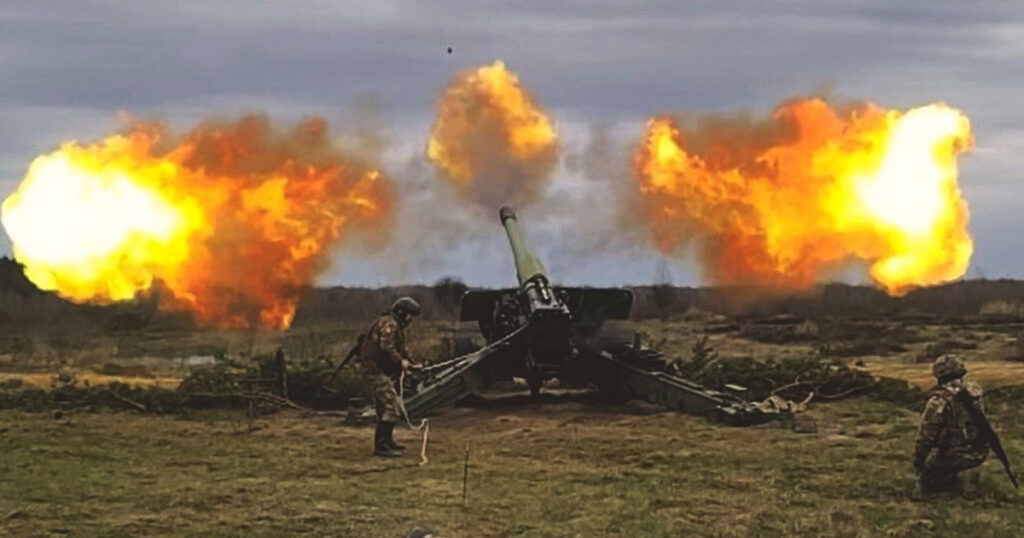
<point>68,68</point>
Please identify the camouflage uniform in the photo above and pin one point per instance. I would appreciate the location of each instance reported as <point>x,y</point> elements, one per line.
<point>382,354</point>
<point>949,440</point>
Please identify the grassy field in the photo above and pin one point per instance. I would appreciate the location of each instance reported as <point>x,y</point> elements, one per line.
<point>564,467</point>
<point>886,348</point>
<point>163,356</point>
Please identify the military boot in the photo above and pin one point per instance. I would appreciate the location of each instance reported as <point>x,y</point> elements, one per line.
<point>926,487</point>
<point>971,479</point>
<point>381,447</point>
<point>955,486</point>
<point>389,438</point>
<point>931,485</point>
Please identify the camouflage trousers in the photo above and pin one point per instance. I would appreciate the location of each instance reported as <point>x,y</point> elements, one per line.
<point>386,400</point>
<point>941,469</point>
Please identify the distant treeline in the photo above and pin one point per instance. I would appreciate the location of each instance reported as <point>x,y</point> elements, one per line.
<point>22,305</point>
<point>957,300</point>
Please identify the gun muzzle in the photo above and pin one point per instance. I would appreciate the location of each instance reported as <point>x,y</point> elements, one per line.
<point>506,212</point>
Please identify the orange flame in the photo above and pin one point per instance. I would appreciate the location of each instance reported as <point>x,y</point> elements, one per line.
<point>491,139</point>
<point>231,220</point>
<point>782,202</point>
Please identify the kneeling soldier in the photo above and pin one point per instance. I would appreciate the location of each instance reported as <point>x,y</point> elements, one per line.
<point>952,437</point>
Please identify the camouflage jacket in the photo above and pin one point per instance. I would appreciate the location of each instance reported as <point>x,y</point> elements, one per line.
<point>383,349</point>
<point>946,425</point>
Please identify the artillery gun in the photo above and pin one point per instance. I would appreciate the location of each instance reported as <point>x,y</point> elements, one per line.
<point>538,331</point>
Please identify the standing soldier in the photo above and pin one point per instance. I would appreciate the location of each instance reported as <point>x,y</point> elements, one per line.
<point>385,359</point>
<point>954,434</point>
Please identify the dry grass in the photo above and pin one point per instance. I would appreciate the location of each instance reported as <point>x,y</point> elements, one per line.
<point>45,381</point>
<point>990,374</point>
<point>163,357</point>
<point>560,469</point>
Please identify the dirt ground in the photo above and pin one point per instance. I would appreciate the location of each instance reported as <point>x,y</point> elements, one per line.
<point>565,466</point>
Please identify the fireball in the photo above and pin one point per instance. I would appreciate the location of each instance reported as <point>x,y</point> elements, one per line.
<point>784,202</point>
<point>491,139</point>
<point>229,221</point>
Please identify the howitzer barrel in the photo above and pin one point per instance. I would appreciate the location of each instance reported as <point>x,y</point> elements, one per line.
<point>528,267</point>
<point>548,316</point>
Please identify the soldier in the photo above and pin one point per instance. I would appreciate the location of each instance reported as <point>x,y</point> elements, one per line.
<point>952,436</point>
<point>384,359</point>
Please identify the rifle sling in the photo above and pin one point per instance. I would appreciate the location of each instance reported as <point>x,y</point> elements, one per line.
<point>986,430</point>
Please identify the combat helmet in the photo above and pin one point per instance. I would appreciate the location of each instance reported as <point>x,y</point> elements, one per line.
<point>948,367</point>
<point>405,307</point>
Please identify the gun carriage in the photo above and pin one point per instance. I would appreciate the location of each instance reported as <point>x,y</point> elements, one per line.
<point>539,331</point>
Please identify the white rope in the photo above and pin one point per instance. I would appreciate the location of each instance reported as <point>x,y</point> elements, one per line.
<point>423,426</point>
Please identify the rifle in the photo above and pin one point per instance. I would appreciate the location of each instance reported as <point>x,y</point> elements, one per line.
<point>348,358</point>
<point>987,431</point>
